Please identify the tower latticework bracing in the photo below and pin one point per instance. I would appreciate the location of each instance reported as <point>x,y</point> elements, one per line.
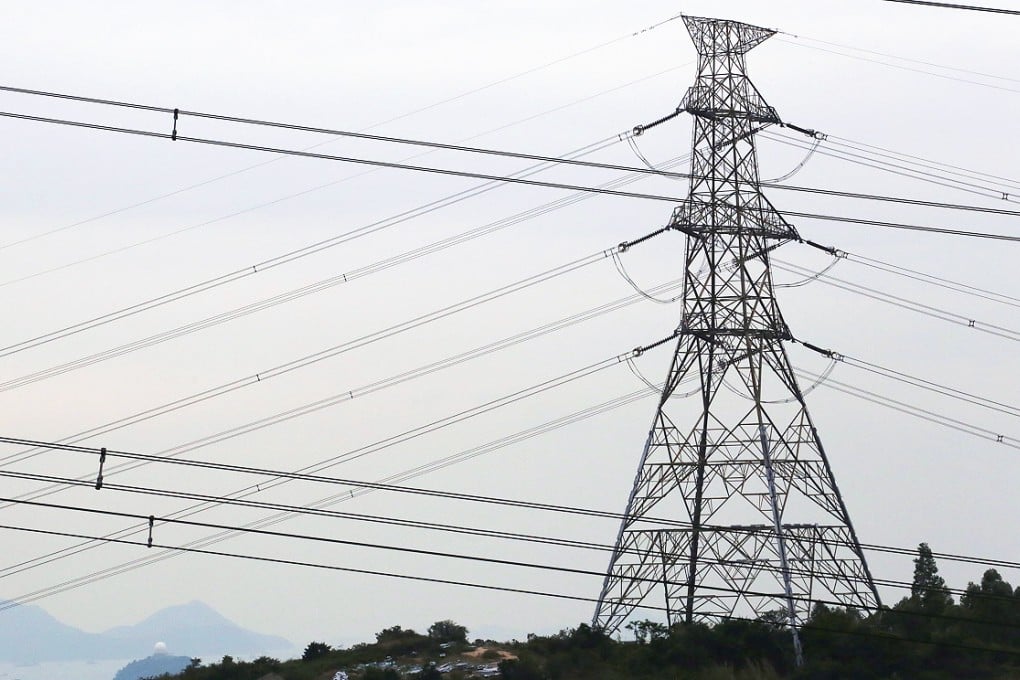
<point>734,510</point>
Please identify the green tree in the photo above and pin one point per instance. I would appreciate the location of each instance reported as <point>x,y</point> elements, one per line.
<point>994,607</point>
<point>646,631</point>
<point>316,650</point>
<point>928,590</point>
<point>394,633</point>
<point>448,631</point>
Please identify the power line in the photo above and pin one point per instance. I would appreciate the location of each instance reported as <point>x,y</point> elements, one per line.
<point>810,626</point>
<point>995,182</point>
<point>387,121</point>
<point>300,476</point>
<point>517,396</point>
<point>418,578</point>
<point>311,359</point>
<point>950,5</point>
<point>901,66</point>
<point>948,168</point>
<point>952,392</point>
<point>436,553</point>
<point>900,170</point>
<point>908,227</point>
<point>917,411</point>
<point>334,499</point>
<point>206,499</point>
<point>459,173</point>
<point>405,475</point>
<point>289,296</point>
<point>291,256</point>
<point>281,516</point>
<point>333,132</point>
<point>904,303</point>
<point>297,563</point>
<point>319,246</point>
<point>931,279</point>
<point>427,369</point>
<point>476,150</point>
<point>896,199</point>
<point>209,322</point>
<point>898,56</point>
<point>333,157</point>
<point>303,192</point>
<point>344,278</point>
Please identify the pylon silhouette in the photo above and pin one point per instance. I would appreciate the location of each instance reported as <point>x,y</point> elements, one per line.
<point>738,514</point>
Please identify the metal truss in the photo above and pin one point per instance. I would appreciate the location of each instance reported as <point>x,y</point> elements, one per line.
<point>763,526</point>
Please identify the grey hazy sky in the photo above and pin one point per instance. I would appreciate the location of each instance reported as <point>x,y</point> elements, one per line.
<point>353,65</point>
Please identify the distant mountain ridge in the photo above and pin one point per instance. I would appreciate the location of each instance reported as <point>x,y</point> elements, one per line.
<point>28,634</point>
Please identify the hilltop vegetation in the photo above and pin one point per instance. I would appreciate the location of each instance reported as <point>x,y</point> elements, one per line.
<point>925,636</point>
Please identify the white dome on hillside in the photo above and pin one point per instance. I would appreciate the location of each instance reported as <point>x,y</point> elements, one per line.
<point>159,649</point>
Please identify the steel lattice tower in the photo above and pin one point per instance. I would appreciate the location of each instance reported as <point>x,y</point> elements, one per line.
<point>738,514</point>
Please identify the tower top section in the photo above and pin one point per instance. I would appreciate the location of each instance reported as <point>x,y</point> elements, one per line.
<point>722,89</point>
<point>714,37</point>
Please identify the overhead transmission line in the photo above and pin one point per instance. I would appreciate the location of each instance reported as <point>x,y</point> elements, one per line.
<point>325,244</point>
<point>391,521</point>
<point>265,472</point>
<point>96,452</point>
<point>931,279</point>
<point>940,168</point>
<point>294,255</point>
<point>903,303</point>
<point>902,170</point>
<point>499,588</point>
<point>953,5</point>
<point>289,296</point>
<point>372,572</point>
<point>311,359</point>
<point>256,377</point>
<point>460,238</point>
<point>901,67</point>
<point>587,149</point>
<point>406,141</point>
<point>253,379</point>
<point>949,231</point>
<point>411,473</point>
<point>445,555</point>
<point>179,331</point>
<point>369,449</point>
<point>399,378</point>
<point>291,256</point>
<point>329,501</point>
<point>318,246</point>
<point>344,496</point>
<point>900,57</point>
<point>916,411</point>
<point>393,119</point>
<point>246,430</point>
<point>446,171</point>
<point>931,386</point>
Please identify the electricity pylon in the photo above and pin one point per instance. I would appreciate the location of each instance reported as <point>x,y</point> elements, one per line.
<point>739,514</point>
